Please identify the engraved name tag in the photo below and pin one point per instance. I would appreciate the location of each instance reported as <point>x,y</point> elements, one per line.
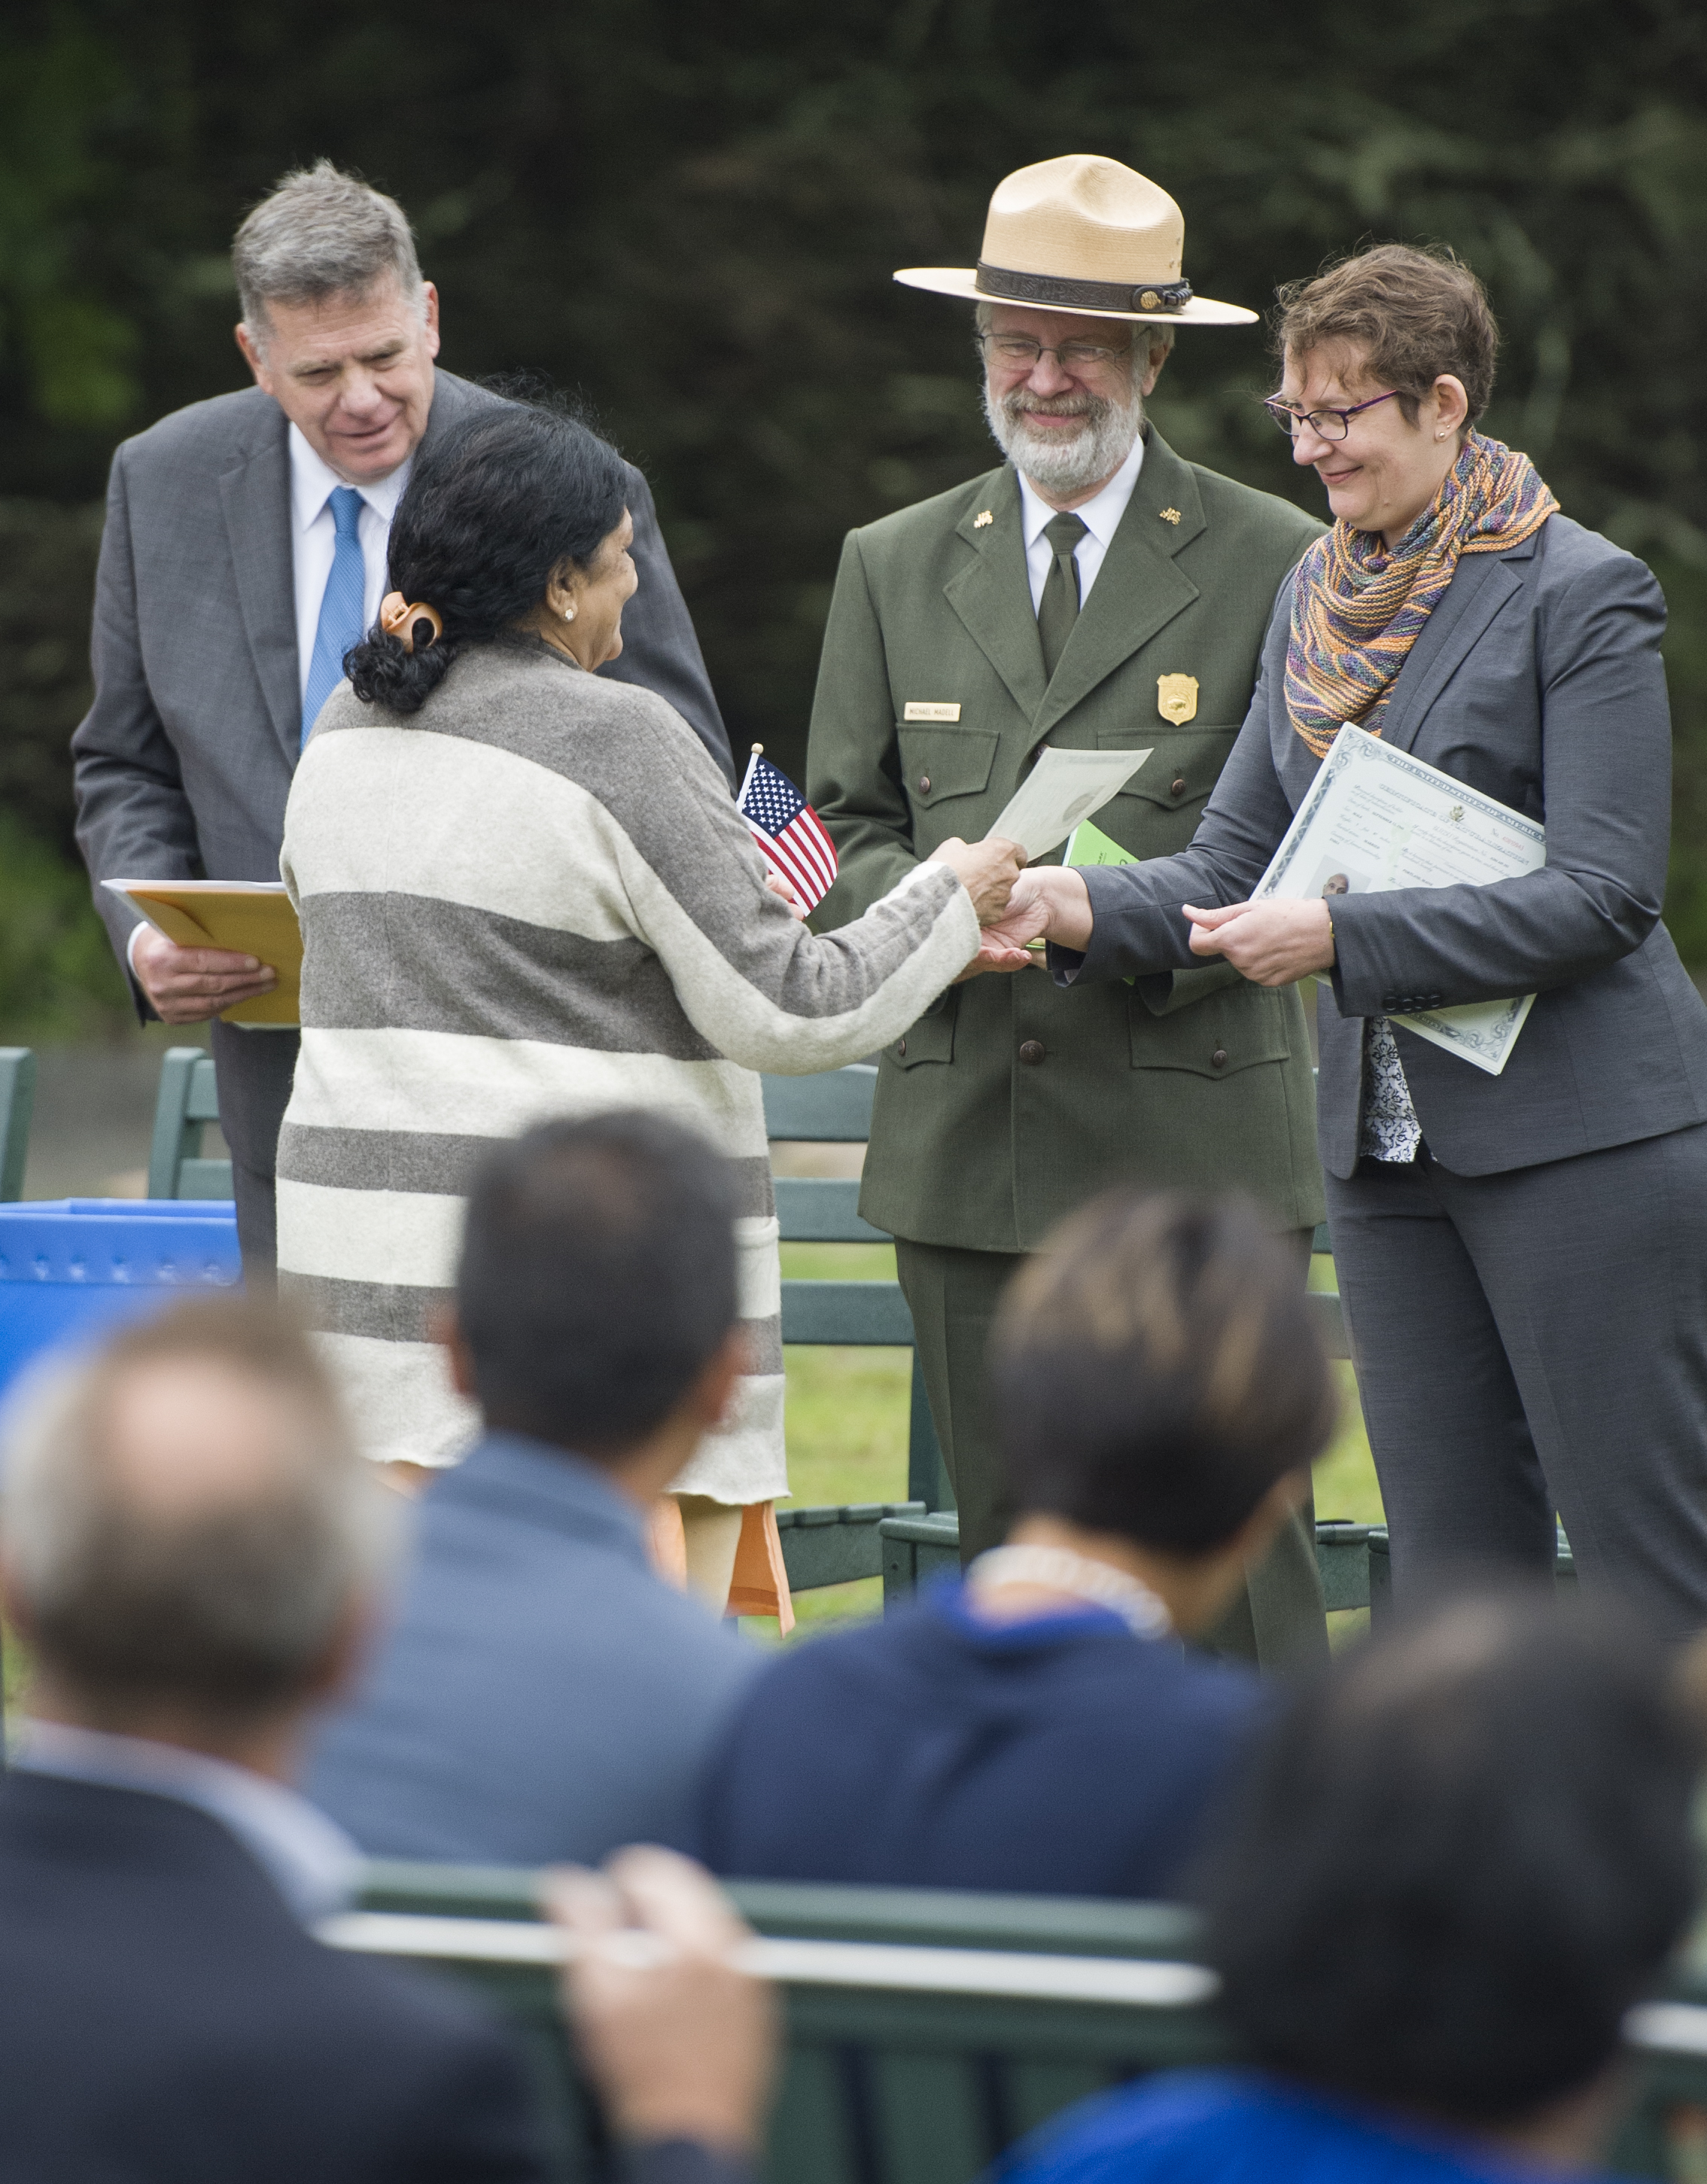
<point>915,710</point>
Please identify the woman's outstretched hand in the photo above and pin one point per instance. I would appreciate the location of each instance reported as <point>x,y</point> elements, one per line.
<point>1273,943</point>
<point>986,869</point>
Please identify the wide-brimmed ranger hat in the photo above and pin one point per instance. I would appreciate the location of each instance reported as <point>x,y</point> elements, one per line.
<point>1086,234</point>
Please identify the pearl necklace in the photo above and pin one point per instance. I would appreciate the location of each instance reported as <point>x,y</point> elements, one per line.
<point>1059,1569</point>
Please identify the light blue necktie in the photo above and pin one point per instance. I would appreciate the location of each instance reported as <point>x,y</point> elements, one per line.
<point>342,603</point>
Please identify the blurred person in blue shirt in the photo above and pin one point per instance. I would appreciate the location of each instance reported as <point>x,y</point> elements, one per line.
<point>541,1694</point>
<point>1461,1861</point>
<point>1042,1726</point>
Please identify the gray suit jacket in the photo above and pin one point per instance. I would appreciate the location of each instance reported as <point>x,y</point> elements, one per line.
<point>1538,680</point>
<point>539,1693</point>
<point>184,760</point>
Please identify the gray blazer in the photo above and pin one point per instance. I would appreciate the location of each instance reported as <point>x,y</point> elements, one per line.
<point>1538,680</point>
<point>184,761</point>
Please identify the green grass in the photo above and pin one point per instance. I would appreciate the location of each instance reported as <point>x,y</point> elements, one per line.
<point>848,1430</point>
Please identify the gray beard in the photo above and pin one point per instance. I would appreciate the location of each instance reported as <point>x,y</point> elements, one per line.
<point>1057,466</point>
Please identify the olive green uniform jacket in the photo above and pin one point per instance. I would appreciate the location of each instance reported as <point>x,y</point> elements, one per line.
<point>1011,1102</point>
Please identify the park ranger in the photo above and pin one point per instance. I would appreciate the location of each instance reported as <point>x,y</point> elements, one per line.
<point>1095,592</point>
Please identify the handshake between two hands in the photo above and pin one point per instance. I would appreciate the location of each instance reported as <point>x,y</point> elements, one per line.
<point>1273,942</point>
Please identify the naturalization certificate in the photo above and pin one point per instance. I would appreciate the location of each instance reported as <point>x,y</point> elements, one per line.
<point>1377,818</point>
<point>1063,788</point>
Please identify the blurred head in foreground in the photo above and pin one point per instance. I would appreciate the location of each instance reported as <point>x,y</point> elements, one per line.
<point>190,1539</point>
<point>1161,1391</point>
<point>596,1297</point>
<point>1464,1854</point>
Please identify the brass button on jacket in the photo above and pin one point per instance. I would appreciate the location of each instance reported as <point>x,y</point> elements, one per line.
<point>901,1048</point>
<point>925,785</point>
<point>1177,786</point>
<point>1031,1050</point>
<point>1218,1060</point>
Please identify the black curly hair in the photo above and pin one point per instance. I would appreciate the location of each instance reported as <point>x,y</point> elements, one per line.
<point>504,497</point>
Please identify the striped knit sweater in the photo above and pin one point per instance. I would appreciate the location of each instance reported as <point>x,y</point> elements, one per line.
<point>532,897</point>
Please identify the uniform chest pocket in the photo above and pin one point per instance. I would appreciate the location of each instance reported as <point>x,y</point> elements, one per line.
<point>939,760</point>
<point>1218,1038</point>
<point>1183,765</point>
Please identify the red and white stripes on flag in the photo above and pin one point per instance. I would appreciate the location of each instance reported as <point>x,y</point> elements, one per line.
<point>788,831</point>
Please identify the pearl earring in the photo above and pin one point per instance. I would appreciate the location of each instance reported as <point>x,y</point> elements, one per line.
<point>568,614</point>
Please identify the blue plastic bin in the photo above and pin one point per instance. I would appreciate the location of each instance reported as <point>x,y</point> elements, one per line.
<point>71,1267</point>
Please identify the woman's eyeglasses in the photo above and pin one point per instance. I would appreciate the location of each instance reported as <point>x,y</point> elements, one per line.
<point>1326,424</point>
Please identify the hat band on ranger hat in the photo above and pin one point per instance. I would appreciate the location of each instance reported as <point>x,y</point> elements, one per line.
<point>1003,282</point>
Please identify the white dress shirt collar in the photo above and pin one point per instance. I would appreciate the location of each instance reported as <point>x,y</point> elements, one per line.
<point>309,1858</point>
<point>1101,516</point>
<point>314,481</point>
<point>314,541</point>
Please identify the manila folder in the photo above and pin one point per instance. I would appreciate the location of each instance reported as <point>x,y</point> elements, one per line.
<point>251,917</point>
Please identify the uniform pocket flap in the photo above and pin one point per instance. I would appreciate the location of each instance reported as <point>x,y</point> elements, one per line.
<point>932,1038</point>
<point>939,760</point>
<point>1234,1029</point>
<point>1182,765</point>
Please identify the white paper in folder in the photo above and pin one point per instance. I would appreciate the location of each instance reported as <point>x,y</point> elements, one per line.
<point>1377,818</point>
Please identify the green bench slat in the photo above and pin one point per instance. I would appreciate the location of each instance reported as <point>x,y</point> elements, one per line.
<point>835,1546</point>
<point>16,1103</point>
<point>821,1209</point>
<point>203,1178</point>
<point>832,1108</point>
<point>852,1314</point>
<point>1330,1321</point>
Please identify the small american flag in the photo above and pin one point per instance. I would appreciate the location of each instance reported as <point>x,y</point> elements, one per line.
<point>788,830</point>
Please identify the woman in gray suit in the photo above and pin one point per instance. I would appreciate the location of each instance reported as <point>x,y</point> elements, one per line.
<point>1523,1258</point>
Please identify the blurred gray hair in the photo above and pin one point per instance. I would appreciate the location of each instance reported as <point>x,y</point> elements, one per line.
<point>230,1608</point>
<point>322,233</point>
<point>1161,337</point>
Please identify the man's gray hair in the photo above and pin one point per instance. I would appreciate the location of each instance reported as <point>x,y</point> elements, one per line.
<point>322,233</point>
<point>223,1599</point>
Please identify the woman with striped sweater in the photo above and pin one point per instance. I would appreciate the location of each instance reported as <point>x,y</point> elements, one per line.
<point>525,891</point>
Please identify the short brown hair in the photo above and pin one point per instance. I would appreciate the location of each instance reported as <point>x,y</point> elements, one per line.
<point>1157,1370</point>
<point>229,1603</point>
<point>1414,314</point>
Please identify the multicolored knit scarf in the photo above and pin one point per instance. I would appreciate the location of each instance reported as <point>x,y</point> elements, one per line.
<point>1357,609</point>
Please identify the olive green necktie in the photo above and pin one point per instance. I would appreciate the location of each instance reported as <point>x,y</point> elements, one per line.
<point>1058,607</point>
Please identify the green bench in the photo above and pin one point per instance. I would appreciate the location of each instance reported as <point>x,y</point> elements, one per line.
<point>832,1545</point>
<point>924,2031</point>
<point>16,1102</point>
<point>902,1542</point>
<point>906,1544</point>
<point>186,1107</point>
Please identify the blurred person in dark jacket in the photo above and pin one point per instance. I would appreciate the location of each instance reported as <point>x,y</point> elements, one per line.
<point>1161,1393</point>
<point>191,1547</point>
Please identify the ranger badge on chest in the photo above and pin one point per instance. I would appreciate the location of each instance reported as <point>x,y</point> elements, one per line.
<point>1176,698</point>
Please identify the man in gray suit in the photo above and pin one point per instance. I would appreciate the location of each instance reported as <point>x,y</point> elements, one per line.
<point>244,554</point>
